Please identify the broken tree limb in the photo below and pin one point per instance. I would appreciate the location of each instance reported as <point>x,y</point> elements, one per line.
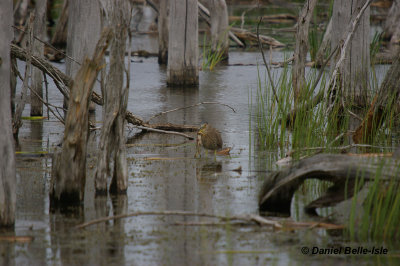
<point>278,189</point>
<point>247,35</point>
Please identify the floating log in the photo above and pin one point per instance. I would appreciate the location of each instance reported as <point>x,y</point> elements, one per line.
<point>343,170</point>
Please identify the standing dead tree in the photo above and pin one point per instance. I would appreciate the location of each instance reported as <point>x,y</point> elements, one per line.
<point>183,44</point>
<point>301,48</point>
<point>112,139</point>
<point>69,166</point>
<point>7,156</point>
<point>39,30</point>
<point>83,24</point>
<point>59,38</point>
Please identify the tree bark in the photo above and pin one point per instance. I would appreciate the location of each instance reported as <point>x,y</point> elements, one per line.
<point>219,27</point>
<point>183,44</point>
<point>354,72</point>
<point>69,166</point>
<point>84,26</point>
<point>301,49</point>
<point>39,31</point>
<point>112,139</point>
<point>163,20</point>
<point>7,155</point>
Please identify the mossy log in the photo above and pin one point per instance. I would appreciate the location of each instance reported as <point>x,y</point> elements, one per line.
<point>343,170</point>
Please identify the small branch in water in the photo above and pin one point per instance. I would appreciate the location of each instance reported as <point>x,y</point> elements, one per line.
<point>248,218</point>
<point>165,132</point>
<point>185,107</point>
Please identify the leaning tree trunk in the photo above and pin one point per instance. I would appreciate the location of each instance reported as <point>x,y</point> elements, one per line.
<point>354,72</point>
<point>69,166</point>
<point>386,100</point>
<point>7,155</point>
<point>391,27</point>
<point>301,49</point>
<point>219,27</point>
<point>183,44</point>
<point>324,48</point>
<point>112,139</point>
<point>84,26</point>
<point>163,32</point>
<point>39,30</point>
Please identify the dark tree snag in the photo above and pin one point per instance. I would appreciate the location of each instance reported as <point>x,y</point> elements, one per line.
<point>278,189</point>
<point>163,32</point>
<point>301,49</point>
<point>59,38</point>
<point>183,52</point>
<point>7,155</point>
<point>69,166</point>
<point>391,28</point>
<point>387,98</point>
<point>64,83</point>
<point>39,31</point>
<point>112,139</point>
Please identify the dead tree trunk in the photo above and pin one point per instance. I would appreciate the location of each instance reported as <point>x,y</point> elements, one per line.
<point>354,72</point>
<point>301,48</point>
<point>325,45</point>
<point>391,27</point>
<point>59,38</point>
<point>69,166</point>
<point>183,44</point>
<point>39,31</point>
<point>387,98</point>
<point>112,139</point>
<point>84,26</point>
<point>163,21</point>
<point>219,27</point>
<point>7,155</point>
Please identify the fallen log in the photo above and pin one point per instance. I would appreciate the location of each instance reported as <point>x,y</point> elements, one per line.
<point>343,170</point>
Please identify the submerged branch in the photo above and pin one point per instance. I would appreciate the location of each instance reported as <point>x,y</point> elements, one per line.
<point>248,218</point>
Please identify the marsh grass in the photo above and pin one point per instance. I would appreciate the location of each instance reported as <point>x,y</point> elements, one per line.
<point>313,128</point>
<point>211,58</point>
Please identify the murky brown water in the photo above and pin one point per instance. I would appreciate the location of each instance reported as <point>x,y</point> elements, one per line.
<point>202,185</point>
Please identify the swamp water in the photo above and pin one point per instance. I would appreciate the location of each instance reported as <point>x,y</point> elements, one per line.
<point>165,176</point>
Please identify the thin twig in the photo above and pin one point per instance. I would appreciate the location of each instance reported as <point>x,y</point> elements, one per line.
<point>190,106</point>
<point>248,218</point>
<point>165,132</point>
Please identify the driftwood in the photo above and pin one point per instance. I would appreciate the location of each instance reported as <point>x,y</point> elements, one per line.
<point>247,35</point>
<point>343,170</point>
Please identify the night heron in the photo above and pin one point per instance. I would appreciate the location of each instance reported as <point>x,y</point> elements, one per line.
<point>209,138</point>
